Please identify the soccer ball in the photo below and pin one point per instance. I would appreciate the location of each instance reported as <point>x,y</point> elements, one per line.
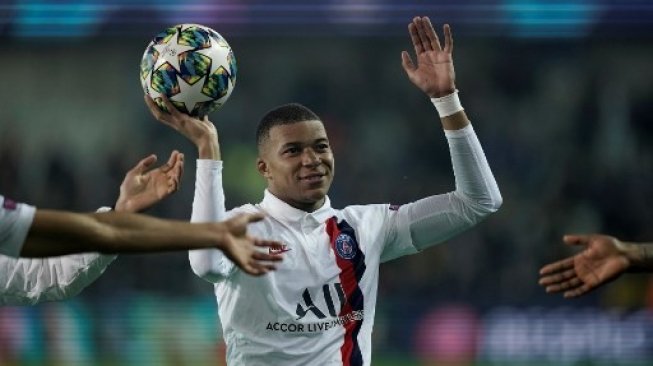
<point>192,65</point>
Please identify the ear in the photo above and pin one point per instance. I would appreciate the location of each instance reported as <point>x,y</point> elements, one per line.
<point>262,168</point>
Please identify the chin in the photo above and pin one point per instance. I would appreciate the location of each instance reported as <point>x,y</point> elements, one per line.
<point>315,196</point>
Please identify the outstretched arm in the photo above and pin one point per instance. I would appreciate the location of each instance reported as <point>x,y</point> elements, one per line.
<point>603,259</point>
<point>437,218</point>
<point>33,280</point>
<point>54,233</point>
<point>58,232</point>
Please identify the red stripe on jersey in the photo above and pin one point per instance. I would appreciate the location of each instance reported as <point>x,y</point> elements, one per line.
<point>351,271</point>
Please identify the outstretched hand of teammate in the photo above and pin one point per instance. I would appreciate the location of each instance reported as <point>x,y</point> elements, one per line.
<point>434,73</point>
<point>201,132</point>
<point>603,259</point>
<point>244,250</point>
<point>145,185</point>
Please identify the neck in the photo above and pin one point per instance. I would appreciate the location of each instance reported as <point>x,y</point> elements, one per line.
<point>307,206</point>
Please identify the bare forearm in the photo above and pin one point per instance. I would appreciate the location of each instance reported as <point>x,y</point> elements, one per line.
<point>59,233</point>
<point>455,121</point>
<point>208,147</point>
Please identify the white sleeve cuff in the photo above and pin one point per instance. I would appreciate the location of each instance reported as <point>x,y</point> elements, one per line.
<point>209,164</point>
<point>463,132</point>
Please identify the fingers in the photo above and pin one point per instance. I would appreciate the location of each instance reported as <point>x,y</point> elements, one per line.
<point>179,166</point>
<point>261,263</point>
<point>569,285</point>
<point>168,118</point>
<point>156,111</point>
<point>562,265</point>
<point>558,277</point>
<point>144,165</point>
<point>257,269</point>
<point>431,34</point>
<point>421,32</point>
<point>267,257</point>
<point>254,217</point>
<point>172,110</point>
<point>414,36</point>
<point>267,243</point>
<point>576,239</point>
<point>407,63</point>
<point>580,290</point>
<point>448,39</point>
<point>173,161</point>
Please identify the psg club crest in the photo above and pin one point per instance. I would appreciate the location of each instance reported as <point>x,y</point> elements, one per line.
<point>345,246</point>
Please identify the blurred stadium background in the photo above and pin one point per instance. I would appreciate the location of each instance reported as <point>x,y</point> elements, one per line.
<point>560,93</point>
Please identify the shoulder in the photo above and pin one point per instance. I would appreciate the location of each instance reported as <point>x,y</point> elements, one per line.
<point>367,214</point>
<point>246,208</point>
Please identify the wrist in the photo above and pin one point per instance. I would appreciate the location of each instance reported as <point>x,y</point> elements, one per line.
<point>209,149</point>
<point>122,206</point>
<point>442,93</point>
<point>447,105</point>
<point>638,256</point>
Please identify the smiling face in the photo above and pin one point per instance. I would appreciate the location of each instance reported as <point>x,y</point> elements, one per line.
<point>297,162</point>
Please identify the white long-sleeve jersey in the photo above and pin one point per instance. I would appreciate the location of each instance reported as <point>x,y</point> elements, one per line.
<point>318,307</point>
<point>15,221</point>
<point>27,281</point>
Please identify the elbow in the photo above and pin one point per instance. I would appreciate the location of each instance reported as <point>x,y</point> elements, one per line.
<point>487,207</point>
<point>489,203</point>
<point>494,203</point>
<point>477,210</point>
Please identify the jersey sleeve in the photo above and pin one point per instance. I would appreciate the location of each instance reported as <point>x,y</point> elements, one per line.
<point>209,206</point>
<point>15,221</point>
<point>437,218</point>
<point>28,281</point>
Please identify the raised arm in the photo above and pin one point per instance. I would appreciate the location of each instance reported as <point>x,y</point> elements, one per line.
<point>209,202</point>
<point>437,218</point>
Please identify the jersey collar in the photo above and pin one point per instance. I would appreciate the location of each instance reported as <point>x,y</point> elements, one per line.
<point>283,211</point>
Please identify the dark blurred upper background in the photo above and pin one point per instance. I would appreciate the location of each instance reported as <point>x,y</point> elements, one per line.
<point>559,92</point>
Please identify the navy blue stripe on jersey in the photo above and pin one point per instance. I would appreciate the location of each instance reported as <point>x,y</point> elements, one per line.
<point>351,261</point>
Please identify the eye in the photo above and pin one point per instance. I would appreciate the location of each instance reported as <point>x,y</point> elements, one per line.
<point>322,147</point>
<point>291,150</point>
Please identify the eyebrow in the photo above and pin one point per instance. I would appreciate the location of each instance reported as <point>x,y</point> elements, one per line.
<point>297,143</point>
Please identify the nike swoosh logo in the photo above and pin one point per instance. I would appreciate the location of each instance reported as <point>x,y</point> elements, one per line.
<point>278,250</point>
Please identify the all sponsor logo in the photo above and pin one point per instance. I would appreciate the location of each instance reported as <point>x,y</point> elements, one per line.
<point>354,316</point>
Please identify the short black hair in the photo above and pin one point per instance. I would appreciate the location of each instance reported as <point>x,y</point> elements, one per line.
<point>283,115</point>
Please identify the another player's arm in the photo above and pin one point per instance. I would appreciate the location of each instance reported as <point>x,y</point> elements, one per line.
<point>209,201</point>
<point>436,218</point>
<point>34,280</point>
<point>603,259</point>
<point>58,233</point>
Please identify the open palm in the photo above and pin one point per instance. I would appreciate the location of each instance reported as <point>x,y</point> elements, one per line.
<point>600,262</point>
<point>434,73</point>
<point>144,185</point>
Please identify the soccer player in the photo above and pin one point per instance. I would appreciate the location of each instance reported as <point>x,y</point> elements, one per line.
<point>318,307</point>
<point>31,232</point>
<point>603,259</point>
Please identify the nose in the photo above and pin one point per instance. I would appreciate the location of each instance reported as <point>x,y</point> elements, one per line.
<point>310,158</point>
